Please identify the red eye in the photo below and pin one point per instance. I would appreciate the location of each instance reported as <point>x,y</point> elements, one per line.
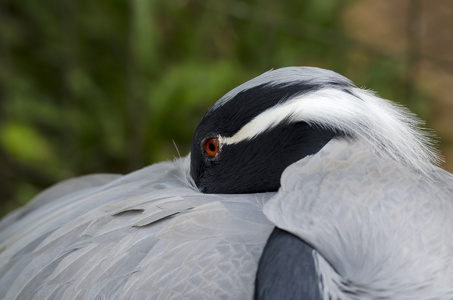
<point>211,146</point>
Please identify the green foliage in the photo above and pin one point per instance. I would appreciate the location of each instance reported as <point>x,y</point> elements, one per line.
<point>25,144</point>
<point>107,86</point>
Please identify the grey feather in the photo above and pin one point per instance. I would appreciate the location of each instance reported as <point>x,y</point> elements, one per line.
<point>146,235</point>
<point>382,231</point>
<point>56,191</point>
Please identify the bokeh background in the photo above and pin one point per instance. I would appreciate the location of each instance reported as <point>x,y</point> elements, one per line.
<point>110,85</point>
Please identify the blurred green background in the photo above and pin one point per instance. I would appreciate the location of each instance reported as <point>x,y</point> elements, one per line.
<point>107,86</point>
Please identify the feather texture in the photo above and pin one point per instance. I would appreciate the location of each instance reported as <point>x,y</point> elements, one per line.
<point>146,235</point>
<point>381,230</point>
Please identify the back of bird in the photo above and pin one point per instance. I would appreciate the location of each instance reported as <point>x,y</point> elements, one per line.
<point>147,235</point>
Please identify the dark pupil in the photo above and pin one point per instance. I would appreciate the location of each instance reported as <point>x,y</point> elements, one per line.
<point>211,147</point>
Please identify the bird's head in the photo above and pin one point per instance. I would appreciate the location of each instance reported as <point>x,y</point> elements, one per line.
<point>247,138</point>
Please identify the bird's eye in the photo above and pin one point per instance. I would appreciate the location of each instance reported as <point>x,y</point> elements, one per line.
<point>211,147</point>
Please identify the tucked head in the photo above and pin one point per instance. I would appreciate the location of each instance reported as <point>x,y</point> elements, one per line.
<point>248,137</point>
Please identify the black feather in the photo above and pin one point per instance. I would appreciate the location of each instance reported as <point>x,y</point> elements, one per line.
<point>287,269</point>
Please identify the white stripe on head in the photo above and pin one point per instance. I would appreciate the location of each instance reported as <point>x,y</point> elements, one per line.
<point>390,129</point>
<point>288,75</point>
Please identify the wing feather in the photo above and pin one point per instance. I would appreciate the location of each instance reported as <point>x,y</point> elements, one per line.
<point>146,235</point>
<point>384,229</point>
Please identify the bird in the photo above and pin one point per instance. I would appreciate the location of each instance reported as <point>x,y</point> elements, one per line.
<point>298,185</point>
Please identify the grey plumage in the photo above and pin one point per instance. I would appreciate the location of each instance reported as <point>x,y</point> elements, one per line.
<point>60,189</point>
<point>384,231</point>
<point>360,185</point>
<point>147,235</point>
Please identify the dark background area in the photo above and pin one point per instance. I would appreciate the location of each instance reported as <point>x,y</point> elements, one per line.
<point>107,86</point>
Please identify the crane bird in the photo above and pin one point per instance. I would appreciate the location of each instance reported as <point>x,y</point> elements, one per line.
<point>299,185</point>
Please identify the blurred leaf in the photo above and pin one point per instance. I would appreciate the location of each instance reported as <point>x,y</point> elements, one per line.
<point>25,191</point>
<point>25,144</point>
